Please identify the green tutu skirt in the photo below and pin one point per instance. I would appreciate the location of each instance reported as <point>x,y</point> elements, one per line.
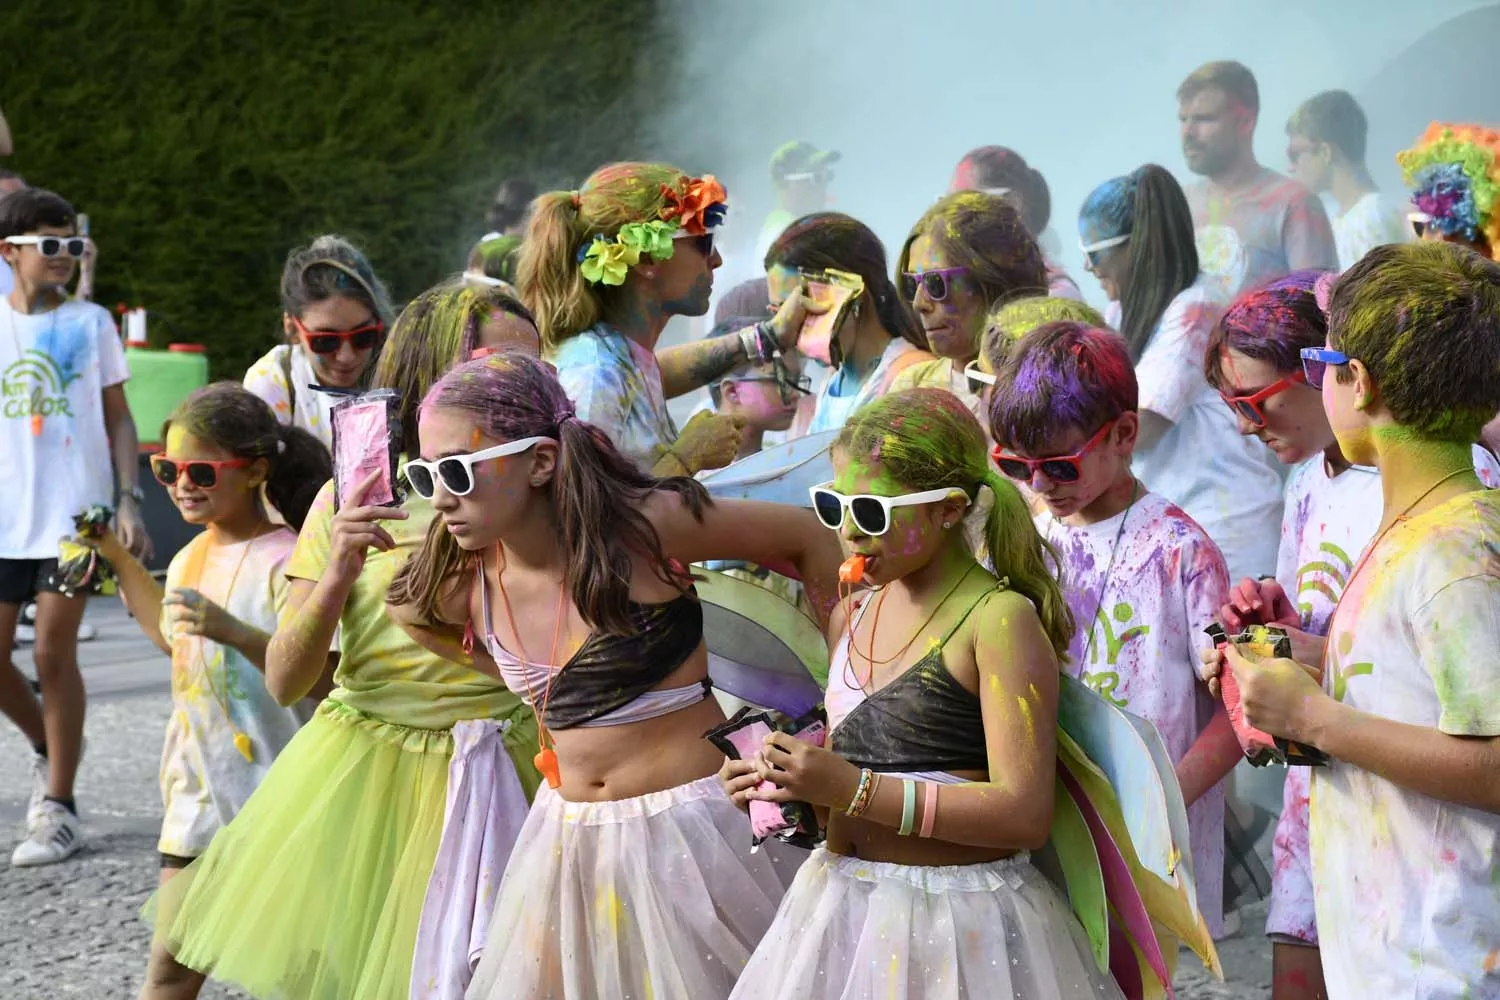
<point>314,891</point>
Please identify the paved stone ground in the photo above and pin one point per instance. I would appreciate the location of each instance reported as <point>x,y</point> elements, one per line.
<point>72,930</point>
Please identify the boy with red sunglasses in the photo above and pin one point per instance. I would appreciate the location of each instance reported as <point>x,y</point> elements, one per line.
<point>62,405</point>
<point>1141,577</point>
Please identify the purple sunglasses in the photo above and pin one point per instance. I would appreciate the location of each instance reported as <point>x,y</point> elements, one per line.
<point>934,282</point>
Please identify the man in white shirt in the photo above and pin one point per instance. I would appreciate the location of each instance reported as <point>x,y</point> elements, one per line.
<point>1326,150</point>
<point>1252,224</point>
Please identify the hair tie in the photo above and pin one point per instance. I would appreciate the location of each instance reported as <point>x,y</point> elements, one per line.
<point>563,415</point>
<point>577,199</point>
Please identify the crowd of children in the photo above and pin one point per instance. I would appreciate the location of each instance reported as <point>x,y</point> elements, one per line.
<point>449,741</point>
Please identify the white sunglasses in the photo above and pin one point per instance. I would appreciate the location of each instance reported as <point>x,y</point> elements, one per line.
<point>456,472</point>
<point>1089,249</point>
<point>976,377</point>
<point>871,514</point>
<point>52,246</point>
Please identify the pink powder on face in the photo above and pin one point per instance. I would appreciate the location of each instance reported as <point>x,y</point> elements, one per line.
<point>363,448</point>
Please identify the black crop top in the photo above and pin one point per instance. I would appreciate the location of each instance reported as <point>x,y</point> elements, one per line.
<point>924,720</point>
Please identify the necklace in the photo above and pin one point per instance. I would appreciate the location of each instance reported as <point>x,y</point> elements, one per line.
<point>193,576</point>
<point>546,758</point>
<point>1370,549</point>
<point>1114,549</point>
<point>875,625</point>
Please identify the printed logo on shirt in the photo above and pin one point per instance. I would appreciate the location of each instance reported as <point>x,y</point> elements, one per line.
<point>1344,672</point>
<point>1106,682</point>
<point>35,386</point>
<point>1222,258</point>
<point>1326,576</point>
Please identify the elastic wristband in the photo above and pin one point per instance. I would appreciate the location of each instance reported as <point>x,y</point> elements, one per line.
<point>908,806</point>
<point>929,809</point>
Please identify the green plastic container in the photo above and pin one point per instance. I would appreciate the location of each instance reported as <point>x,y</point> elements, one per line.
<point>159,380</point>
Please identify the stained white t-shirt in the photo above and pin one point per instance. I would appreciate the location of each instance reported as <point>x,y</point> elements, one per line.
<point>1202,463</point>
<point>1141,607</point>
<point>831,411</point>
<point>298,405</point>
<point>1372,221</point>
<point>218,693</point>
<point>54,446</point>
<point>1404,884</point>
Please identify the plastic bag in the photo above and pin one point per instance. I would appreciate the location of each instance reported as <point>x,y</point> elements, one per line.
<point>838,290</point>
<point>740,738</point>
<point>366,439</point>
<point>1260,642</point>
<point>80,568</point>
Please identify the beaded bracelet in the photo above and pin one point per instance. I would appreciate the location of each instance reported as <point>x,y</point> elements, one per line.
<point>858,803</point>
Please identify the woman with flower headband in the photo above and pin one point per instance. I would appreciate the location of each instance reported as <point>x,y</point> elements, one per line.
<point>563,564</point>
<point>604,268</point>
<point>316,888</point>
<point>334,314</point>
<point>1453,172</point>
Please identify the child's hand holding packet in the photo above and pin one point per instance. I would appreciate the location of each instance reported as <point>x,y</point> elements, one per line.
<point>835,292</point>
<point>740,738</point>
<point>366,441</point>
<point>1259,642</point>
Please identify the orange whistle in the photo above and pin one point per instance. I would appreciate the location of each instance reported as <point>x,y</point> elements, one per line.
<point>852,570</point>
<point>545,762</point>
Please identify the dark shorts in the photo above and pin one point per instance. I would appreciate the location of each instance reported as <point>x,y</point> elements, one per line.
<point>175,861</point>
<point>22,579</point>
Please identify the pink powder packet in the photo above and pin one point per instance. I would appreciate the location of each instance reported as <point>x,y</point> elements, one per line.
<point>366,433</point>
<point>741,737</point>
<point>837,290</point>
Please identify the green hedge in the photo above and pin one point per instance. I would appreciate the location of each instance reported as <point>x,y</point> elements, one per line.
<point>206,139</point>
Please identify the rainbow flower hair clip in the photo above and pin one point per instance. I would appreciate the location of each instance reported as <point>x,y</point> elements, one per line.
<point>1455,180</point>
<point>691,208</point>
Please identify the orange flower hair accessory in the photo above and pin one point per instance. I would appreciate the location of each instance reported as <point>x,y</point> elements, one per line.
<point>699,206</point>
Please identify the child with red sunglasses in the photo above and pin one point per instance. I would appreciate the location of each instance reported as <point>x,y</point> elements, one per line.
<point>1141,577</point>
<point>228,463</point>
<point>335,314</point>
<point>1332,511</point>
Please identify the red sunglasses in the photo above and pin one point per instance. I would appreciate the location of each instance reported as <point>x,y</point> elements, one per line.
<point>200,472</point>
<point>361,338</point>
<point>1059,468</point>
<point>1249,406</point>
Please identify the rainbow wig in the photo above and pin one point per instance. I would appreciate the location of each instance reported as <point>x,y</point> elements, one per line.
<point>1454,176</point>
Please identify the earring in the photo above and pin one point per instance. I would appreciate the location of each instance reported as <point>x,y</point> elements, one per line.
<point>536,482</point>
<point>947,525</point>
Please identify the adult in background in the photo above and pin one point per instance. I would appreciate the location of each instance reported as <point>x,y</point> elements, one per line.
<point>1137,236</point>
<point>604,268</point>
<point>335,313</point>
<point>1001,171</point>
<point>1252,223</point>
<point>800,175</point>
<point>1326,150</point>
<point>508,213</point>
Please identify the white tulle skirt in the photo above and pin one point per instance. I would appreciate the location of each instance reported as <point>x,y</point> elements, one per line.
<point>655,896</point>
<point>850,930</point>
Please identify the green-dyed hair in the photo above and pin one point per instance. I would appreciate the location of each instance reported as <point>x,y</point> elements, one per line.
<point>437,330</point>
<point>1424,318</point>
<point>548,277</point>
<point>231,417</point>
<point>1010,321</point>
<point>925,439</point>
<point>496,257</point>
<point>984,233</point>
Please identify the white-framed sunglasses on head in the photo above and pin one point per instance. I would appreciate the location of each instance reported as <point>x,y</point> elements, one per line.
<point>871,513</point>
<point>1419,221</point>
<point>1090,249</point>
<point>976,378</point>
<point>456,472</point>
<point>53,246</point>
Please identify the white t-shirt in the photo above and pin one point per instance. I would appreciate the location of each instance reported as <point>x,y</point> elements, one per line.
<point>1370,222</point>
<point>1154,594</point>
<point>7,278</point>
<point>54,368</point>
<point>204,778</point>
<point>1405,885</point>
<point>1203,464</point>
<point>267,379</point>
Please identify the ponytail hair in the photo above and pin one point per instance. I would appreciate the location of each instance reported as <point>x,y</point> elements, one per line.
<point>826,240</point>
<point>596,494</point>
<point>232,418</point>
<point>1147,205</point>
<point>926,439</point>
<point>549,274</point>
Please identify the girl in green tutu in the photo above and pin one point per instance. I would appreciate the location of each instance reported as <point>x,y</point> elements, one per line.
<point>315,889</point>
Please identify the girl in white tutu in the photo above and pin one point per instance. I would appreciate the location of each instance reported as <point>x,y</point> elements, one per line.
<point>630,878</point>
<point>942,704</point>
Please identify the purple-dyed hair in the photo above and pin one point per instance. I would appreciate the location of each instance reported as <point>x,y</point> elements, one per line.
<point>1059,376</point>
<point>596,493</point>
<point>1271,323</point>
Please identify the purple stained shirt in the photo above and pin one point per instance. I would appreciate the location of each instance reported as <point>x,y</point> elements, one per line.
<point>1269,228</point>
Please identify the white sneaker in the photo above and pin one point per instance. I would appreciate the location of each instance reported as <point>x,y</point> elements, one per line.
<point>87,632</point>
<point>55,836</point>
<point>25,634</point>
<point>38,789</point>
